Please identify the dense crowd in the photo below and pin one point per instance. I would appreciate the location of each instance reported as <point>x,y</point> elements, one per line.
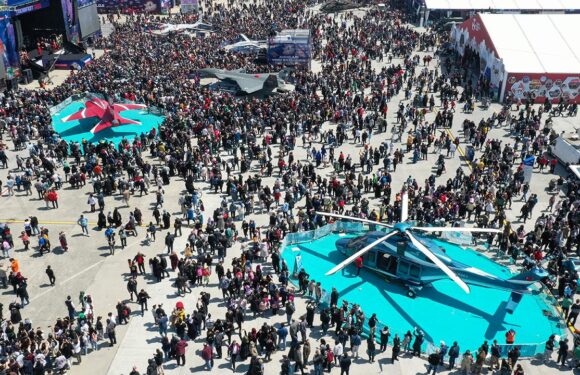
<point>258,137</point>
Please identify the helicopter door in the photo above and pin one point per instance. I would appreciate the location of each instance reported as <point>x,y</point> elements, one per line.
<point>387,263</point>
<point>371,258</point>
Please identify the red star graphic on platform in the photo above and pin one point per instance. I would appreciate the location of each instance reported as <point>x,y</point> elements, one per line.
<point>108,113</point>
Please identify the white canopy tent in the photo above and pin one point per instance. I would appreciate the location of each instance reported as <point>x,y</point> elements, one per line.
<point>506,5</point>
<point>536,43</point>
<point>525,53</point>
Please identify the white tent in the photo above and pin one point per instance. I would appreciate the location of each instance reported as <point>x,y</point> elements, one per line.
<point>507,5</point>
<point>525,53</point>
<point>536,43</point>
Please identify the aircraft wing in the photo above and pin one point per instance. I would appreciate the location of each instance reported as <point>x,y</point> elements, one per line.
<point>248,83</point>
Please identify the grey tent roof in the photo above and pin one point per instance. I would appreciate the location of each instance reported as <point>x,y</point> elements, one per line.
<point>248,83</point>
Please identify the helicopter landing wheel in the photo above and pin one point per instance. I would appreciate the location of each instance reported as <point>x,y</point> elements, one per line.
<point>411,293</point>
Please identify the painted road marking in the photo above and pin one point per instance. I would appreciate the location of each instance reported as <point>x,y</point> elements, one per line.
<point>81,272</point>
<point>459,149</point>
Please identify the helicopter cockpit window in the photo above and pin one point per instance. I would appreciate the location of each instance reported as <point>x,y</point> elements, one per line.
<point>357,243</point>
<point>415,271</point>
<point>403,268</point>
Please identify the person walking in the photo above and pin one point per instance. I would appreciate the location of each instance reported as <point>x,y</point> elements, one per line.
<point>550,344</point>
<point>467,362</point>
<point>355,341</point>
<point>132,287</point>
<point>92,201</point>
<point>299,359</point>
<point>282,335</point>
<point>495,355</point>
<point>70,307</point>
<point>123,237</point>
<point>433,360</point>
<point>50,273</point>
<point>180,351</point>
<point>371,348</point>
<point>111,325</point>
<point>358,262</point>
<point>142,298</point>
<point>345,363</point>
<point>574,311</point>
<point>337,351</point>
<point>396,348</point>
<point>385,333</point>
<point>22,292</point>
<point>233,351</point>
<point>63,241</point>
<point>84,223</point>
<point>169,240</point>
<point>453,354</point>
<point>562,352</point>
<point>207,356</point>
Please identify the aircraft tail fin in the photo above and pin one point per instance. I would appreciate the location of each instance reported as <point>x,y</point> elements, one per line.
<point>513,302</point>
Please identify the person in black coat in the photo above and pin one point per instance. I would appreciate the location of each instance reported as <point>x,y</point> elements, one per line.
<point>345,365</point>
<point>562,352</point>
<point>310,313</point>
<point>334,297</point>
<point>396,348</point>
<point>371,348</point>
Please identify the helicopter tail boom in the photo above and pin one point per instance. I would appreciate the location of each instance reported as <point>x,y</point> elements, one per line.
<point>529,277</point>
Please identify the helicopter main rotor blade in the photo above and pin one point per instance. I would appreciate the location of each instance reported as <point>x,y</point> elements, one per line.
<point>461,229</point>
<point>338,216</point>
<point>404,206</point>
<point>429,254</point>
<point>351,258</point>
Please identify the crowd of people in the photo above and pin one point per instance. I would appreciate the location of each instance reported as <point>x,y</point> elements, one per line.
<point>233,144</point>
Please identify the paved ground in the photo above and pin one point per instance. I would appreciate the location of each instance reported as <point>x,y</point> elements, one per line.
<point>88,267</point>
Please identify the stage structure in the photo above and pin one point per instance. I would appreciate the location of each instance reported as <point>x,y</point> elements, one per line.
<point>38,35</point>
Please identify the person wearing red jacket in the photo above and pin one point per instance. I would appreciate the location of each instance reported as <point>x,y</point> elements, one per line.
<point>359,264</point>
<point>180,351</point>
<point>207,355</point>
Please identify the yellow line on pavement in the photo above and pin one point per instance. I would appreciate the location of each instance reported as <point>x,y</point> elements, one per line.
<point>460,150</point>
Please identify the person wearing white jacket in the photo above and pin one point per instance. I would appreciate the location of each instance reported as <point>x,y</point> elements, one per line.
<point>338,350</point>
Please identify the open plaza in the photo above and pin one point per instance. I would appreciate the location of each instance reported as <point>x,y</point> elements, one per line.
<point>262,187</point>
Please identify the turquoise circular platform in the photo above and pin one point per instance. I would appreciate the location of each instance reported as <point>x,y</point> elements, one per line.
<point>443,311</point>
<point>77,130</point>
